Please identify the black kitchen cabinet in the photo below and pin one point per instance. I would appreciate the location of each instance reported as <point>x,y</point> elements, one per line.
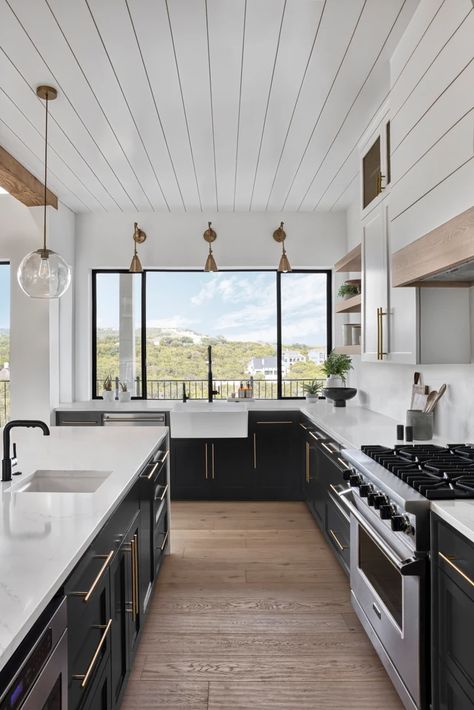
<point>452,618</point>
<point>75,418</point>
<point>275,455</point>
<point>100,695</point>
<point>210,469</point>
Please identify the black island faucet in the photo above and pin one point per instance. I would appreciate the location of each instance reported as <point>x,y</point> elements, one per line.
<point>27,423</point>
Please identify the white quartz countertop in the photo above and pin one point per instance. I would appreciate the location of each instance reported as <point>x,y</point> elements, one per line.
<point>44,535</point>
<point>458,513</point>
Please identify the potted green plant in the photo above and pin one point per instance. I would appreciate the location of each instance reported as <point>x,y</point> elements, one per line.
<point>336,368</point>
<point>107,394</point>
<point>124,394</point>
<point>312,389</point>
<point>348,290</point>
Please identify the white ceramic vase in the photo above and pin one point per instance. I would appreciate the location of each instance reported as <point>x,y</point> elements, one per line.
<point>108,396</point>
<point>125,396</point>
<point>334,381</point>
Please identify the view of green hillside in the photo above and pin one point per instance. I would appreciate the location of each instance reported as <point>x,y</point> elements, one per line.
<point>180,357</point>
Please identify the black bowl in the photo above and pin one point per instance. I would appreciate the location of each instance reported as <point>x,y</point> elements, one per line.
<point>339,394</point>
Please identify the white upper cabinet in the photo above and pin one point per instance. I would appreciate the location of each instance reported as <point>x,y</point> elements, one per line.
<point>374,285</point>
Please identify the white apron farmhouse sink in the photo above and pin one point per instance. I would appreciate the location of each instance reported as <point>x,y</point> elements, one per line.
<point>209,420</point>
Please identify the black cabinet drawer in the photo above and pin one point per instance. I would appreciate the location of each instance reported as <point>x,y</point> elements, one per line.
<point>455,555</point>
<point>452,695</point>
<point>338,530</point>
<point>79,418</point>
<point>100,693</point>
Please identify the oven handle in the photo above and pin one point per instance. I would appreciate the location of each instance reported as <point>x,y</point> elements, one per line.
<point>412,567</point>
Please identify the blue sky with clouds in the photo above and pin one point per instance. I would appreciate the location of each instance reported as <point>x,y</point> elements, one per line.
<point>235,304</point>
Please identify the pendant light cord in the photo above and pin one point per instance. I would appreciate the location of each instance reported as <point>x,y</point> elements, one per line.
<point>45,172</point>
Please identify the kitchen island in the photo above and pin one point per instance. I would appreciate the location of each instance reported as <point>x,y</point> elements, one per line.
<point>44,535</point>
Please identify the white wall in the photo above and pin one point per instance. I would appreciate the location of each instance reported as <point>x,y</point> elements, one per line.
<point>34,341</point>
<point>244,240</point>
<point>432,120</point>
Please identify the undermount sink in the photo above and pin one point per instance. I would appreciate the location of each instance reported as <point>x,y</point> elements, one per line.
<point>209,420</point>
<point>49,481</point>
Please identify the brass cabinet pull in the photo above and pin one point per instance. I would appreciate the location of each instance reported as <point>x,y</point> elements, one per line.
<point>137,590</point>
<point>280,422</point>
<point>213,468</point>
<point>457,569</point>
<point>343,463</point>
<point>307,463</point>
<point>157,464</point>
<point>87,595</point>
<point>303,426</point>
<point>314,436</point>
<point>378,182</point>
<point>380,351</point>
<point>255,450</point>
<point>164,492</point>
<point>163,544</point>
<point>205,459</point>
<point>85,678</point>
<point>327,448</point>
<point>132,563</point>
<point>338,542</point>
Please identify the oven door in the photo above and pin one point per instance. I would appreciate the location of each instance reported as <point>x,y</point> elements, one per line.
<point>50,689</point>
<point>388,597</point>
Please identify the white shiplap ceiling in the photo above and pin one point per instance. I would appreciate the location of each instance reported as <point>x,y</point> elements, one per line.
<point>196,104</point>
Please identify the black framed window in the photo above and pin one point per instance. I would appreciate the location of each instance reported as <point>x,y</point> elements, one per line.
<point>152,330</point>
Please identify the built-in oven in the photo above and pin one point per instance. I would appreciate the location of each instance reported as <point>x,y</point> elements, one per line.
<point>388,588</point>
<point>36,676</point>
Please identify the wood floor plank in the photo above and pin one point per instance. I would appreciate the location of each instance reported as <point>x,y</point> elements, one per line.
<point>253,611</point>
<point>291,695</point>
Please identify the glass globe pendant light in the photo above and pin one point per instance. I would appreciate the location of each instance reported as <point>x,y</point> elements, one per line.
<point>43,273</point>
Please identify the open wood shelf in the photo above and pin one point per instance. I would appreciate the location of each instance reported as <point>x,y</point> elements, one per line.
<point>350,305</point>
<point>348,349</point>
<point>352,261</point>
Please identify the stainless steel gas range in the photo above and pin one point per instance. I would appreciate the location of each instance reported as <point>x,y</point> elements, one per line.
<point>387,500</point>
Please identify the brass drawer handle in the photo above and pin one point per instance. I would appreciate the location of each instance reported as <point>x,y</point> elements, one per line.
<point>327,448</point>
<point>255,450</point>
<point>314,436</point>
<point>303,426</point>
<point>343,463</point>
<point>137,590</point>
<point>206,462</point>
<point>87,595</point>
<point>132,569</point>
<point>158,463</point>
<point>85,678</point>
<point>307,463</point>
<point>281,422</point>
<point>213,462</point>
<point>338,542</point>
<point>163,544</point>
<point>164,492</point>
<point>457,569</point>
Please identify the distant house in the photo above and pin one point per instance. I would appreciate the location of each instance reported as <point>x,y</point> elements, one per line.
<point>318,355</point>
<point>5,371</point>
<point>290,357</point>
<point>266,366</point>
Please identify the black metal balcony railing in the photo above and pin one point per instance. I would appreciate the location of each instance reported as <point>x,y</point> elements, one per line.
<point>4,401</point>
<point>197,389</point>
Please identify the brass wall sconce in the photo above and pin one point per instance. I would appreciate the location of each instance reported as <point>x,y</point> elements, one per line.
<point>139,237</point>
<point>279,235</point>
<point>210,236</point>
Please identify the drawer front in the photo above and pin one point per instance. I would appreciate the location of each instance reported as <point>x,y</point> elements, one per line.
<point>338,531</point>
<point>257,419</point>
<point>452,695</point>
<point>100,694</point>
<point>79,418</point>
<point>455,555</point>
<point>160,538</point>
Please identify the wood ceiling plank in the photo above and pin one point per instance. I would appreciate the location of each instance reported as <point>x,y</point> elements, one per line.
<point>261,38</point>
<point>151,24</point>
<point>359,60</point>
<point>124,53</point>
<point>226,28</point>
<point>84,40</point>
<point>188,26</point>
<point>84,128</point>
<point>20,183</point>
<point>300,30</point>
<point>336,28</point>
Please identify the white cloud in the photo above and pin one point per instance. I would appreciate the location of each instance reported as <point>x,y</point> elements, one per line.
<point>176,321</point>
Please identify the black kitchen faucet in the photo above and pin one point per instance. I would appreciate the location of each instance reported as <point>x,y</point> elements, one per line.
<point>7,461</point>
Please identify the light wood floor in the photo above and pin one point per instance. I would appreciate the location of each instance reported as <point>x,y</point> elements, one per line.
<point>252,611</point>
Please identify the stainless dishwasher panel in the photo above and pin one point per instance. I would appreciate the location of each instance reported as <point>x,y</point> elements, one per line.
<point>134,419</point>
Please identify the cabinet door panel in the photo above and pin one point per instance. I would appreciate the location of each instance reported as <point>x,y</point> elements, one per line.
<point>190,469</point>
<point>275,461</point>
<point>375,282</point>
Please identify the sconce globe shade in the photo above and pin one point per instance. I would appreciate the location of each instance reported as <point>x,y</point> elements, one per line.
<point>44,274</point>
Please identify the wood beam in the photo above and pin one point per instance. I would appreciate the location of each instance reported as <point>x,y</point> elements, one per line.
<point>20,183</point>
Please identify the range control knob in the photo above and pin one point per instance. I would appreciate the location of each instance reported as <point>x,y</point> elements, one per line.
<point>400,523</point>
<point>387,511</point>
<point>381,499</point>
<point>365,489</point>
<point>371,497</point>
<point>355,479</point>
<point>347,473</point>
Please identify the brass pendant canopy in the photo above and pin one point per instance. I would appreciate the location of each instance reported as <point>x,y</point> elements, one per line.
<point>279,235</point>
<point>210,236</point>
<point>139,237</point>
